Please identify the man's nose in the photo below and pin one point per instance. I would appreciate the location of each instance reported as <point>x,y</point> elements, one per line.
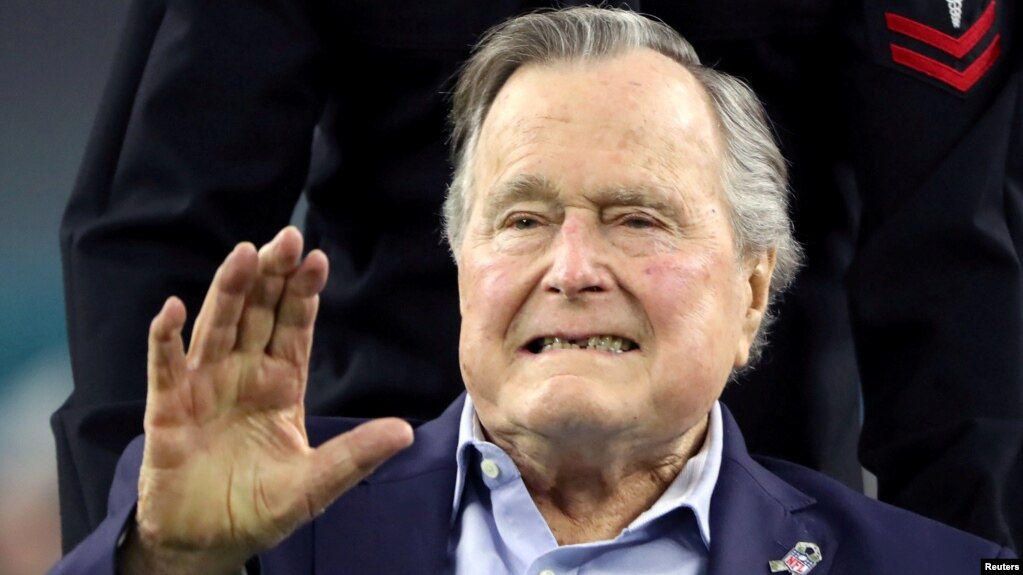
<point>579,264</point>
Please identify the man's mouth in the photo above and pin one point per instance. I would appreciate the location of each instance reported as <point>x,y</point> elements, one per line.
<point>608,343</point>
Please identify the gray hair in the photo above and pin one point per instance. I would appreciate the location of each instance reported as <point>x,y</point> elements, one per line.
<point>755,179</point>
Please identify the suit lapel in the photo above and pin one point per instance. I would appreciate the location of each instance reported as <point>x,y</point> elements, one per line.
<point>399,519</point>
<point>755,517</point>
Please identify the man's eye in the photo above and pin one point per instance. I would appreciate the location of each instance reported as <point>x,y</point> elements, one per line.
<point>637,223</point>
<point>525,223</point>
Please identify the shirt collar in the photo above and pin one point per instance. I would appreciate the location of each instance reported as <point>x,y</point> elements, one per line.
<point>691,488</point>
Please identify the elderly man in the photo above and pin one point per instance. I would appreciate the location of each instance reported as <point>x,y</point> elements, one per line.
<point>618,219</point>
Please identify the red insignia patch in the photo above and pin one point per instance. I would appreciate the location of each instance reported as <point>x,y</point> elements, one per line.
<point>961,72</point>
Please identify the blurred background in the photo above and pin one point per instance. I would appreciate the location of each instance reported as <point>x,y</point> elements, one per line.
<point>54,59</point>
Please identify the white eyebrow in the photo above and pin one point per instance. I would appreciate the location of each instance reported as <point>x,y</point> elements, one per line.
<point>652,197</point>
<point>531,188</point>
<point>524,188</point>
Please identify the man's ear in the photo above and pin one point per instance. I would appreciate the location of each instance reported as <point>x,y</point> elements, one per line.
<point>757,272</point>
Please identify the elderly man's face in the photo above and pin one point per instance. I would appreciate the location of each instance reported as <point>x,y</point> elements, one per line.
<point>600,289</point>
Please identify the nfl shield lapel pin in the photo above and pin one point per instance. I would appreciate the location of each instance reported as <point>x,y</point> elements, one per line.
<point>799,560</point>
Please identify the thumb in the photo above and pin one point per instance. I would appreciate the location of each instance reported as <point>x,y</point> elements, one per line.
<point>348,458</point>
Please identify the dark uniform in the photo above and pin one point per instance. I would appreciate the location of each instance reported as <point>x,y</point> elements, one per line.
<point>218,114</point>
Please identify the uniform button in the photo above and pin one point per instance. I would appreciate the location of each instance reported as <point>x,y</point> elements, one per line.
<point>491,470</point>
<point>547,572</point>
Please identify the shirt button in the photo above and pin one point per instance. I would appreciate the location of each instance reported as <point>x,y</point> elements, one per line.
<point>491,470</point>
<point>547,572</point>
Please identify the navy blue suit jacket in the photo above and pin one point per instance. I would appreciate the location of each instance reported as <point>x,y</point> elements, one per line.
<point>398,520</point>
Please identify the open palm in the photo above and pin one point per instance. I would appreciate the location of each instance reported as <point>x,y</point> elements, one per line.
<point>227,467</point>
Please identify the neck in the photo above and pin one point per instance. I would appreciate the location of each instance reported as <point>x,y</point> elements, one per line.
<point>592,492</point>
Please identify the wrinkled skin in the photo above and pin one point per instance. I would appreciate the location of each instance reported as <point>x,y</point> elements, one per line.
<point>227,469</point>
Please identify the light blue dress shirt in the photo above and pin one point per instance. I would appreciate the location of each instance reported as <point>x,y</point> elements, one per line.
<point>499,531</point>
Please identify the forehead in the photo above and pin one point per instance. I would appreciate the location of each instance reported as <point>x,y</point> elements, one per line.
<point>639,119</point>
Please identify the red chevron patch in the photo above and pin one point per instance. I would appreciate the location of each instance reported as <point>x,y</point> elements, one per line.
<point>960,74</point>
<point>960,80</point>
<point>957,47</point>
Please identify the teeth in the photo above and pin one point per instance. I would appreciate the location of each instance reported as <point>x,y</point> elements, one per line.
<point>550,343</point>
<point>607,343</point>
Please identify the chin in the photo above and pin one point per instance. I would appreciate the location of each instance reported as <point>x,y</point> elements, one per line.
<point>572,404</point>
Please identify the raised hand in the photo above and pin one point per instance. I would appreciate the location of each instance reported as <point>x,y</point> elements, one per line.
<point>227,469</point>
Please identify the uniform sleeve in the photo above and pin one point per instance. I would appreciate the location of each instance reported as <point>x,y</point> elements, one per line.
<point>202,141</point>
<point>936,290</point>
